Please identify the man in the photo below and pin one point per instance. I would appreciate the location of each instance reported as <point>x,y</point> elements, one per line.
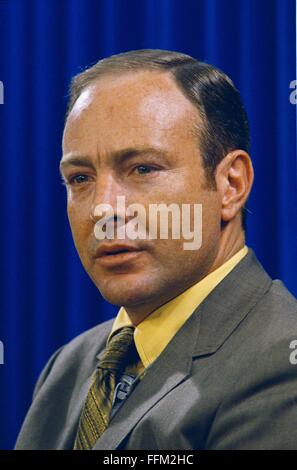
<point>198,356</point>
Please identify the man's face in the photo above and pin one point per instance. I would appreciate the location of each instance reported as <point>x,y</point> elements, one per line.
<point>133,136</point>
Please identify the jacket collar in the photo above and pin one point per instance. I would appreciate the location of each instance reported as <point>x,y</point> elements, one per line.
<point>230,302</point>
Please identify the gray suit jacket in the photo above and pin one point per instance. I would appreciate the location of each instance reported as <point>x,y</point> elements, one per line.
<point>225,381</point>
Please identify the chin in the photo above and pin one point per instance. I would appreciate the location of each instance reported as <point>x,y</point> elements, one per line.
<point>122,299</point>
<point>126,293</point>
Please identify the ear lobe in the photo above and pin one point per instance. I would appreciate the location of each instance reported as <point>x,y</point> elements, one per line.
<point>234,178</point>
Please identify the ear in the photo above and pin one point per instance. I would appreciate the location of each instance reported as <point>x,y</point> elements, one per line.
<point>234,178</point>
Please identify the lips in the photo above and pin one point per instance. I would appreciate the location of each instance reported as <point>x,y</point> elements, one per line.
<point>115,249</point>
<point>115,255</point>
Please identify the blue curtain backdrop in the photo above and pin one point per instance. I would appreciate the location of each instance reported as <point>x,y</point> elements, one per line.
<point>46,297</point>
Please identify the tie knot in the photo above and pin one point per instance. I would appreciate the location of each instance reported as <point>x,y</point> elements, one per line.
<point>117,353</point>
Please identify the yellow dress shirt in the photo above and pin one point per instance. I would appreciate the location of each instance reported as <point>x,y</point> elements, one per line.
<point>154,333</point>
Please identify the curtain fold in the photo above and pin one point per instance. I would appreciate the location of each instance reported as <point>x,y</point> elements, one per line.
<point>46,297</point>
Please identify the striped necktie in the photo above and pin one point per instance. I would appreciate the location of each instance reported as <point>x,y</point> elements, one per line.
<point>95,415</point>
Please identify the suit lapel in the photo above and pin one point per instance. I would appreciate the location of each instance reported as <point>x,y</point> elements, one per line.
<point>230,302</point>
<point>203,333</point>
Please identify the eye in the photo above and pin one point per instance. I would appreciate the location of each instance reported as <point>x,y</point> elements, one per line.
<point>144,169</point>
<point>78,179</point>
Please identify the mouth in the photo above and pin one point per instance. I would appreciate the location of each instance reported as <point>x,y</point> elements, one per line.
<point>117,255</point>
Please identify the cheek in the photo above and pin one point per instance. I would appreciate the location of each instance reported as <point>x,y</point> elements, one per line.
<point>80,222</point>
<point>211,213</point>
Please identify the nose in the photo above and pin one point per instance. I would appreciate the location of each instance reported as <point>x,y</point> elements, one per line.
<point>108,200</point>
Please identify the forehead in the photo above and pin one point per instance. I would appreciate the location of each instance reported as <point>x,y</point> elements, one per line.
<point>130,108</point>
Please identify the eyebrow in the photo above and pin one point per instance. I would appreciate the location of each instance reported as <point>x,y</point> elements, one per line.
<point>75,160</point>
<point>124,154</point>
<point>118,156</point>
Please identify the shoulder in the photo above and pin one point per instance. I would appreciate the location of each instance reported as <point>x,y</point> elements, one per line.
<point>278,308</point>
<point>281,295</point>
<point>77,356</point>
<point>92,337</point>
<point>258,406</point>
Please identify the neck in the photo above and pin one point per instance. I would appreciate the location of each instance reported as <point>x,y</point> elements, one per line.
<point>231,241</point>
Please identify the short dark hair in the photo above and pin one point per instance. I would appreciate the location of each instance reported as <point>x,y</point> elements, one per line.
<point>225,123</point>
